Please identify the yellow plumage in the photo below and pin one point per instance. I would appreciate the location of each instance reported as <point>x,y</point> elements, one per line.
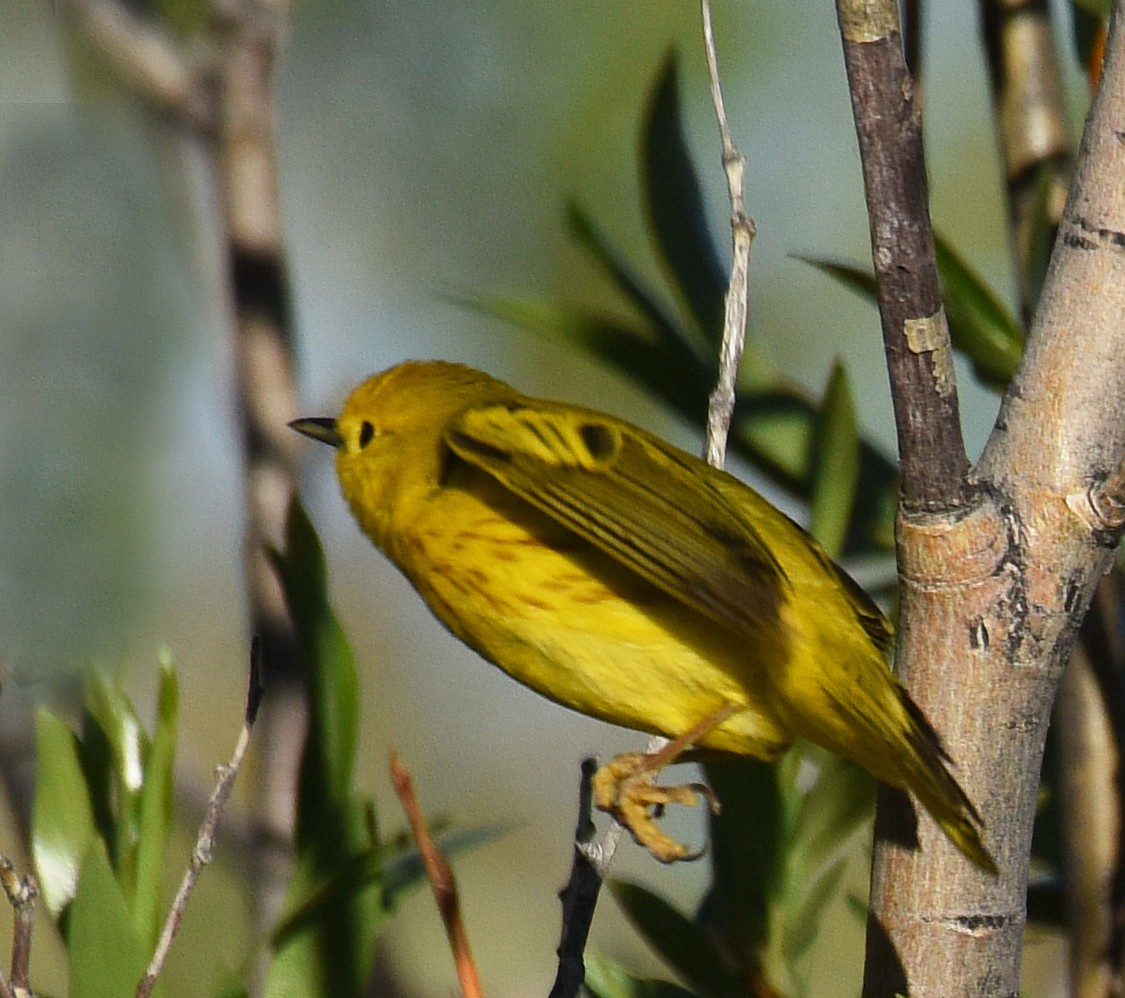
<point>626,579</point>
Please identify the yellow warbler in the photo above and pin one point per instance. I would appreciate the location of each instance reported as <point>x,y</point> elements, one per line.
<point>627,579</point>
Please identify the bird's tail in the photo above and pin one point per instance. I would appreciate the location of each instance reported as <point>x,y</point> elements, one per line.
<point>924,770</point>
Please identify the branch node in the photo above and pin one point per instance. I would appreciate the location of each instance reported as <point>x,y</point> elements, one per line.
<point>1102,508</point>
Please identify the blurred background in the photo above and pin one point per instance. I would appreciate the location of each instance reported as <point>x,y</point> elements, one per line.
<point>427,152</point>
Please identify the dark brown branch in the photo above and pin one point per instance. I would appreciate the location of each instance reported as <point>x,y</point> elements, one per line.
<point>21,893</point>
<point>915,336</point>
<point>580,895</point>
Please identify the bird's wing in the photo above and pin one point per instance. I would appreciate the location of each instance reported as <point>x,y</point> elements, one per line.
<point>641,501</point>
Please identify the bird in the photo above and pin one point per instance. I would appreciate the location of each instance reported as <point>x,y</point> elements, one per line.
<point>629,580</point>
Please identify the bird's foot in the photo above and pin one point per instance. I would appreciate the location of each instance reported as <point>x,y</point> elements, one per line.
<point>624,788</point>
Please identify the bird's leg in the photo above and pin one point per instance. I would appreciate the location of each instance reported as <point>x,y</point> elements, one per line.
<point>624,788</point>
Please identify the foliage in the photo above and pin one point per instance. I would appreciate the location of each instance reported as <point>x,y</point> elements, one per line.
<point>103,816</point>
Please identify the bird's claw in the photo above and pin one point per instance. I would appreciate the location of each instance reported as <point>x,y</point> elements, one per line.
<point>624,788</point>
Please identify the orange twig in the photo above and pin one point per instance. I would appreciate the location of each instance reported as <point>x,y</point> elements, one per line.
<point>442,882</point>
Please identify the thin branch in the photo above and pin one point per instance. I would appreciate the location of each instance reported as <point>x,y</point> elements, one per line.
<point>580,895</point>
<point>21,893</point>
<point>721,408</point>
<point>204,845</point>
<point>147,62</point>
<point>915,334</point>
<point>442,882</point>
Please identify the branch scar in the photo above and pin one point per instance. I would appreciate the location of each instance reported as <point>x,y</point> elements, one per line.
<point>930,334</point>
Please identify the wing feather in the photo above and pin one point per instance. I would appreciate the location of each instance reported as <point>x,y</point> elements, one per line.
<point>632,496</point>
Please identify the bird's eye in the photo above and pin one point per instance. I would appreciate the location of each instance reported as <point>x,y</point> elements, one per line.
<point>366,434</point>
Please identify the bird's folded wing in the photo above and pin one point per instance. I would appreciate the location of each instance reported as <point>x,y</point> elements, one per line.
<point>641,501</point>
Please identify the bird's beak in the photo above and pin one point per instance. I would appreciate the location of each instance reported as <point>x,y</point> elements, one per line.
<point>318,428</point>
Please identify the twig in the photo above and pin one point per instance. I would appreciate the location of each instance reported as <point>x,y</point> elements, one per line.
<point>580,895</point>
<point>202,853</point>
<point>21,892</point>
<point>720,411</point>
<point>442,882</point>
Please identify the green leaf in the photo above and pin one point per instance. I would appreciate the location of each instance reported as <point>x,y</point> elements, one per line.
<point>676,210</point>
<point>155,810</point>
<point>857,279</point>
<point>834,464</point>
<point>330,954</point>
<point>62,823</point>
<point>666,330</point>
<point>335,827</point>
<point>1095,8</point>
<point>328,764</point>
<point>677,940</point>
<point>105,957</point>
<point>747,854</point>
<point>114,744</point>
<point>980,325</point>
<point>607,979</point>
<point>828,819</point>
<point>396,867</point>
<point>666,368</point>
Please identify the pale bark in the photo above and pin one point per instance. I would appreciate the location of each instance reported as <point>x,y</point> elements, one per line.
<point>993,593</point>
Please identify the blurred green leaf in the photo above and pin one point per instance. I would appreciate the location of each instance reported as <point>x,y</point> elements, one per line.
<point>666,368</point>
<point>607,979</point>
<point>335,827</point>
<point>106,959</point>
<point>1095,8</point>
<point>834,464</point>
<point>114,744</point>
<point>830,814</point>
<point>677,940</point>
<point>676,210</point>
<point>62,822</point>
<point>980,324</point>
<point>155,810</point>
<point>396,867</point>
<point>665,328</point>
<point>328,764</point>
<point>747,855</point>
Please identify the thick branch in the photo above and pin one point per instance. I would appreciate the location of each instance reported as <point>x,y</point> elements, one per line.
<point>915,335</point>
<point>992,600</point>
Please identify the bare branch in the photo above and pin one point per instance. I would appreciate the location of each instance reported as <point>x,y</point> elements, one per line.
<point>991,598</point>
<point>580,895</point>
<point>147,62</point>
<point>204,844</point>
<point>721,408</point>
<point>915,335</point>
<point>21,893</point>
<point>442,882</point>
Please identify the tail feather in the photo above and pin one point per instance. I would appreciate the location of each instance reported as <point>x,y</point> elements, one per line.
<point>910,756</point>
<point>925,772</point>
